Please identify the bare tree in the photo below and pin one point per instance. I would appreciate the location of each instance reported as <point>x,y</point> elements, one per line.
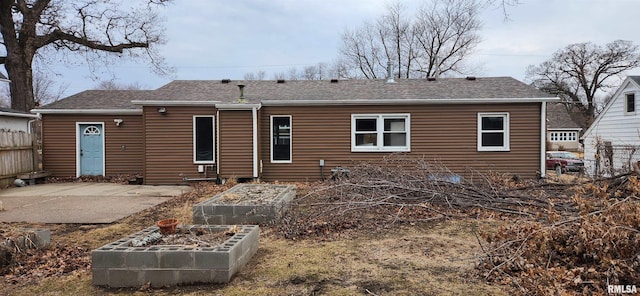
<point>258,75</point>
<point>293,74</point>
<point>279,76</point>
<point>97,30</point>
<point>434,41</point>
<point>45,89</point>
<point>446,33</point>
<point>319,71</point>
<point>580,72</point>
<point>113,85</point>
<point>315,72</point>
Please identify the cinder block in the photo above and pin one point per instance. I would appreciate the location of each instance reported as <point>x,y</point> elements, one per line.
<point>260,211</point>
<point>221,276</point>
<point>140,257</point>
<point>99,276</point>
<point>176,259</point>
<point>212,260</point>
<point>106,259</point>
<point>120,265</point>
<point>161,277</point>
<point>39,236</point>
<point>209,220</point>
<point>119,277</point>
<point>194,276</point>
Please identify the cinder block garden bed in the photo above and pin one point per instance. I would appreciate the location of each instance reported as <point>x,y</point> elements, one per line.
<point>245,204</point>
<point>141,258</point>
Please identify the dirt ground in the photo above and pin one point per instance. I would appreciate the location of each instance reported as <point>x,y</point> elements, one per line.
<point>430,258</point>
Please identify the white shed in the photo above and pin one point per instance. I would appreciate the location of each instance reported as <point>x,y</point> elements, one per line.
<point>612,142</point>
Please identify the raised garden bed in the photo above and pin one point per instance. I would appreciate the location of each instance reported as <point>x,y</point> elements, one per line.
<point>245,204</point>
<point>201,255</point>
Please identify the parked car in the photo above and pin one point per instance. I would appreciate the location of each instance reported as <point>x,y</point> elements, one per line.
<point>566,161</point>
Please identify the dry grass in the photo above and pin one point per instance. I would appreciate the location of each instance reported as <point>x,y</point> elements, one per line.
<point>428,259</point>
<point>435,258</point>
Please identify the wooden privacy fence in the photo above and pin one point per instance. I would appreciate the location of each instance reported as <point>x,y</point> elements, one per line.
<point>17,155</point>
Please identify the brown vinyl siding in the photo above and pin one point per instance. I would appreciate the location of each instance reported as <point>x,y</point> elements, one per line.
<point>236,143</point>
<point>169,144</point>
<point>446,133</point>
<point>59,143</point>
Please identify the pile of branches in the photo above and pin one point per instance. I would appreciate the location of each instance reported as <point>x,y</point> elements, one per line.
<point>408,189</point>
<point>578,255</point>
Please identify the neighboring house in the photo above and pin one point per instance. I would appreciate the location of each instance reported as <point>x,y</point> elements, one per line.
<point>562,132</point>
<point>612,141</point>
<point>295,130</point>
<point>14,120</point>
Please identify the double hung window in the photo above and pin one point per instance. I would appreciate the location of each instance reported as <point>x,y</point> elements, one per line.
<point>493,131</point>
<point>380,132</point>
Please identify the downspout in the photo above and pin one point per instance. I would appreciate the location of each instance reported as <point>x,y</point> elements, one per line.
<point>217,144</point>
<point>254,115</point>
<point>543,140</point>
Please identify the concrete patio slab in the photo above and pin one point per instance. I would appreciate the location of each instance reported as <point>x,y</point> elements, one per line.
<point>82,203</point>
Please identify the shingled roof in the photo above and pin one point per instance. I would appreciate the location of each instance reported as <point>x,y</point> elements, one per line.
<point>259,91</point>
<point>348,90</point>
<point>559,118</point>
<point>100,100</point>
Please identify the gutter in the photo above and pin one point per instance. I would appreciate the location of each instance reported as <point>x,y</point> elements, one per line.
<point>238,106</point>
<point>254,115</point>
<point>173,103</point>
<point>543,140</point>
<point>89,111</point>
<point>407,101</point>
<point>24,115</point>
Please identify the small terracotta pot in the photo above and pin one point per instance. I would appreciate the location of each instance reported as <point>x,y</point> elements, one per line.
<point>168,226</point>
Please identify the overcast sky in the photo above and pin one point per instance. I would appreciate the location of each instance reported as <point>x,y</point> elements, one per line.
<point>216,39</point>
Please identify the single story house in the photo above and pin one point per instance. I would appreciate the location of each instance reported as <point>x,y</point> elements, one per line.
<point>15,120</point>
<point>295,130</point>
<point>612,142</point>
<point>563,133</point>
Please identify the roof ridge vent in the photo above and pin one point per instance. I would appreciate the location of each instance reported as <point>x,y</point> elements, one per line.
<point>280,81</point>
<point>471,78</point>
<point>225,81</point>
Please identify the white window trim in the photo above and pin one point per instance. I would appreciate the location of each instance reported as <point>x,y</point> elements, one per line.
<point>290,139</point>
<point>505,131</point>
<point>572,136</point>
<point>379,147</point>
<point>193,143</point>
<point>635,105</point>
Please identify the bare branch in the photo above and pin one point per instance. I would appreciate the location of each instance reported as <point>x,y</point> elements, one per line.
<point>580,72</point>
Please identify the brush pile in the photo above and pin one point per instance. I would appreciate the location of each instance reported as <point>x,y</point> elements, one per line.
<point>558,238</point>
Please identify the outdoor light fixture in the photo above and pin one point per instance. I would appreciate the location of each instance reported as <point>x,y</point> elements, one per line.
<point>118,121</point>
<point>162,110</point>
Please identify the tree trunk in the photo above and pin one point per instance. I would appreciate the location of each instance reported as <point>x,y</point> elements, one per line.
<point>19,57</point>
<point>20,74</point>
